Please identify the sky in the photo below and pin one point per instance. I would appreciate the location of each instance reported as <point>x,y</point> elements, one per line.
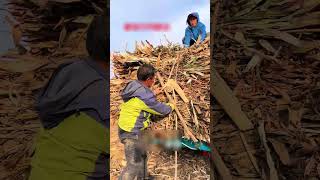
<point>142,11</point>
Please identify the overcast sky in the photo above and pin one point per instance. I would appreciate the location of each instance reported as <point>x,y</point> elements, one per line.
<point>172,12</point>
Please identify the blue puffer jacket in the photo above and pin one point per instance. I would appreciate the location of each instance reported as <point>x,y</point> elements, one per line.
<point>194,32</point>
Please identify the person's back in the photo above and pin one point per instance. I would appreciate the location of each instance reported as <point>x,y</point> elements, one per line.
<point>73,143</point>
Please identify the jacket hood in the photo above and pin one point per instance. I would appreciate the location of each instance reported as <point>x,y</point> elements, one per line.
<point>136,89</point>
<point>194,14</point>
<point>77,86</point>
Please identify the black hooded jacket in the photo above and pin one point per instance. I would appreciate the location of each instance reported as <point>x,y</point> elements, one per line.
<point>81,85</point>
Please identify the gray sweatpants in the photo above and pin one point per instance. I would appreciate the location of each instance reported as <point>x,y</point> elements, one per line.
<point>136,158</point>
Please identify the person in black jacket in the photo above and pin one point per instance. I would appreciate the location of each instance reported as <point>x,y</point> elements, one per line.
<point>73,143</point>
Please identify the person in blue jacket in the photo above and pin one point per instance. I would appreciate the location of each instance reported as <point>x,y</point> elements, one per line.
<point>194,29</point>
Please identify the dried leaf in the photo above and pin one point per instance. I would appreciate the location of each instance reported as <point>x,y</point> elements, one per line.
<point>285,37</point>
<point>265,44</point>
<point>83,19</point>
<point>255,61</point>
<point>239,36</point>
<point>295,116</point>
<point>59,23</point>
<point>62,37</point>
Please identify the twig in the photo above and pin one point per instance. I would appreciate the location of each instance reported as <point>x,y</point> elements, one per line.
<point>272,170</point>
<point>175,152</point>
<point>176,123</point>
<point>177,66</point>
<point>251,157</point>
<point>183,122</point>
<point>175,61</point>
<point>222,169</point>
<point>261,54</point>
<point>97,8</point>
<point>222,92</point>
<point>169,43</point>
<point>195,118</point>
<point>162,175</point>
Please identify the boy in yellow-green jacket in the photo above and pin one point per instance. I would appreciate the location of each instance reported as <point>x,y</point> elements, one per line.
<point>73,143</point>
<point>139,108</point>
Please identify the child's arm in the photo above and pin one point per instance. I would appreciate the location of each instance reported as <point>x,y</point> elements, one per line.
<point>203,32</point>
<point>157,108</point>
<point>187,37</point>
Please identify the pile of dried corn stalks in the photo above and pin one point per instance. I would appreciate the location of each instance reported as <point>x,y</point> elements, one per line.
<point>53,27</point>
<point>46,34</point>
<point>266,83</point>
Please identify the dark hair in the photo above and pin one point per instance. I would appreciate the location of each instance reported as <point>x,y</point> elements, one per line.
<point>191,17</point>
<point>97,42</point>
<point>145,71</point>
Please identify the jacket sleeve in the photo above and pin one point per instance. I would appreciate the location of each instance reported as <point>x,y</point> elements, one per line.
<point>156,118</point>
<point>155,107</point>
<point>203,32</point>
<point>187,37</point>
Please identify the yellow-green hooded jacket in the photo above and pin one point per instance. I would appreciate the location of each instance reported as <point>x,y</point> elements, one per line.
<point>140,104</point>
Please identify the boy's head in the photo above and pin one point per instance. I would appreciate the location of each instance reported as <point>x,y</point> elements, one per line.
<point>192,20</point>
<point>146,74</point>
<point>97,42</point>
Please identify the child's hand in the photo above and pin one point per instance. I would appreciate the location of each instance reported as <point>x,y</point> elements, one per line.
<point>173,106</point>
<point>157,91</point>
